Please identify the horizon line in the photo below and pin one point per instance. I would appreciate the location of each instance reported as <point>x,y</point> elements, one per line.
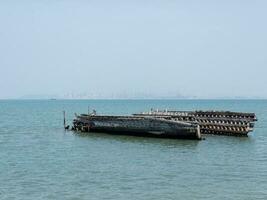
<point>55,99</point>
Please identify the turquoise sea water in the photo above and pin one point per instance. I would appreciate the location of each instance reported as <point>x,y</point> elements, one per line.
<point>39,160</point>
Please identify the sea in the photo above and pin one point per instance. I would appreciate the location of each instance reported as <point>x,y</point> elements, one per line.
<point>40,160</point>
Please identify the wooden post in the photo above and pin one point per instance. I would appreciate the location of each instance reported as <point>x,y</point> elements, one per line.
<point>64,120</point>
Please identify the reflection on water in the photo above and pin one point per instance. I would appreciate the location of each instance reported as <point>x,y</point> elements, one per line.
<point>141,140</point>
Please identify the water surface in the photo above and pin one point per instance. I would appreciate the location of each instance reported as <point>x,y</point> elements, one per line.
<point>39,160</point>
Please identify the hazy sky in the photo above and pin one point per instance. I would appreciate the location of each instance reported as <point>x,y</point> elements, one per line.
<point>207,49</point>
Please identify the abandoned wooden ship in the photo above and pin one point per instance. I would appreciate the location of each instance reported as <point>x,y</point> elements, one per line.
<point>137,126</point>
<point>210,122</point>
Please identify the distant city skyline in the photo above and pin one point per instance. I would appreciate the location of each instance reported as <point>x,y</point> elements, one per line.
<point>123,95</point>
<point>133,49</point>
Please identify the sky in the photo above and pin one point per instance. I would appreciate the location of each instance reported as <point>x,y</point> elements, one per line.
<point>133,49</point>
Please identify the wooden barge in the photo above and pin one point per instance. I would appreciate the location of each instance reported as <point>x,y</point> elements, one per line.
<point>137,126</point>
<point>210,122</point>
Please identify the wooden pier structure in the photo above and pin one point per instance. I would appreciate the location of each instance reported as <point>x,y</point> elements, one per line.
<point>210,122</point>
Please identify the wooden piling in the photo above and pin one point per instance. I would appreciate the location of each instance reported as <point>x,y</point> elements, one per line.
<point>64,119</point>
